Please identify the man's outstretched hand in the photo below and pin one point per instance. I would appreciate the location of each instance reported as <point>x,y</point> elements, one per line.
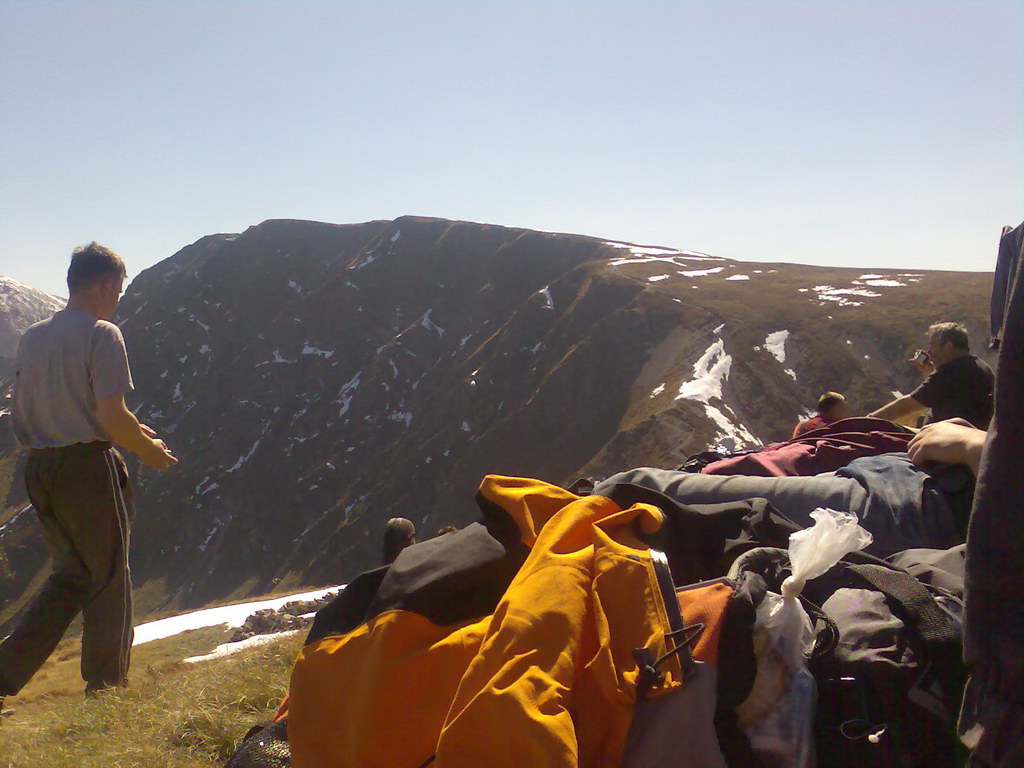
<point>955,441</point>
<point>124,429</point>
<point>158,456</point>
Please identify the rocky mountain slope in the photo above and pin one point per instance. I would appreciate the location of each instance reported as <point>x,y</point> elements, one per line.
<point>317,379</point>
<point>20,307</point>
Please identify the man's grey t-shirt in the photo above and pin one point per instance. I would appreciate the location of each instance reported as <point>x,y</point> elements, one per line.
<point>64,365</point>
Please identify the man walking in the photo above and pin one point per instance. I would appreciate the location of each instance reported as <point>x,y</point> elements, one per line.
<point>72,375</point>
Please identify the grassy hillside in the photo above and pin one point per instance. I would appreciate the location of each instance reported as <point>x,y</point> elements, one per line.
<point>172,715</point>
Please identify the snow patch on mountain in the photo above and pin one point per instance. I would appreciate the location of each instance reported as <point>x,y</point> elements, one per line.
<point>228,649</point>
<point>402,416</point>
<point>644,254</point>
<point>828,290</point>
<point>700,272</point>
<point>242,459</point>
<point>775,343</point>
<point>426,322</point>
<point>14,517</point>
<point>709,374</point>
<point>307,349</point>
<point>344,398</point>
<point>231,615</point>
<point>732,435</point>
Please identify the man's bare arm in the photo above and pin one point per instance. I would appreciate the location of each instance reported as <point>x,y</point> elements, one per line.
<point>124,429</point>
<point>900,410</point>
<point>952,442</point>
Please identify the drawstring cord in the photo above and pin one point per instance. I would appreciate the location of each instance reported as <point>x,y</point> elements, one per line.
<point>648,673</point>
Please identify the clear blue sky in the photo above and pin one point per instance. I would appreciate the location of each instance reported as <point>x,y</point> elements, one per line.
<point>869,134</point>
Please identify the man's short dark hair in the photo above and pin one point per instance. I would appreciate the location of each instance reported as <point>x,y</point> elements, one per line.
<point>951,332</point>
<point>91,263</point>
<point>828,400</point>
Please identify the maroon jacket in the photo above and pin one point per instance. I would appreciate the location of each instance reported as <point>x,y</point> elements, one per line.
<point>821,450</point>
<point>803,427</point>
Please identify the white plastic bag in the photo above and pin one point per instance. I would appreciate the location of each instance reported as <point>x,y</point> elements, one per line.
<point>784,638</point>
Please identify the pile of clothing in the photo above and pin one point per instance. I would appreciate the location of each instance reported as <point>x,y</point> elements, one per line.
<point>637,624</point>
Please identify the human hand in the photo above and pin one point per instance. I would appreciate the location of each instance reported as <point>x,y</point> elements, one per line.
<point>923,362</point>
<point>955,441</point>
<point>158,456</point>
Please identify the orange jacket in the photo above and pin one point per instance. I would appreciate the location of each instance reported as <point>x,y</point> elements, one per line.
<point>546,679</point>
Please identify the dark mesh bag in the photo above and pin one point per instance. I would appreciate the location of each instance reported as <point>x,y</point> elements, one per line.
<point>888,662</point>
<point>264,746</point>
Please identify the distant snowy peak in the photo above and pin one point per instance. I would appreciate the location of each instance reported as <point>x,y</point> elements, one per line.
<point>21,306</point>
<point>15,295</point>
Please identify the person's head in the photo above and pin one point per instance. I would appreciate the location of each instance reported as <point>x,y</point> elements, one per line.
<point>399,533</point>
<point>96,278</point>
<point>832,406</point>
<point>947,341</point>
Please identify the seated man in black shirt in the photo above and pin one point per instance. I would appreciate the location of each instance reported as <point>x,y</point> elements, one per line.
<point>958,384</point>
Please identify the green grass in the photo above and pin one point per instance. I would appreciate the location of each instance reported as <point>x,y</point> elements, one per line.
<point>171,715</point>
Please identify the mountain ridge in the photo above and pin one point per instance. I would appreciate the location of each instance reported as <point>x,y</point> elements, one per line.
<point>317,379</point>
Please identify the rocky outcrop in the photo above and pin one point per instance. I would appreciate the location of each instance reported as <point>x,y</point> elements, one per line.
<point>296,614</point>
<point>316,380</point>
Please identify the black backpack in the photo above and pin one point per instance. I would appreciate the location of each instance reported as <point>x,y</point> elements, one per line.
<point>888,662</point>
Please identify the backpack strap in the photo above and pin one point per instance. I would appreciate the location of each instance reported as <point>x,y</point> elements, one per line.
<point>937,630</point>
<point>667,589</point>
<point>930,620</point>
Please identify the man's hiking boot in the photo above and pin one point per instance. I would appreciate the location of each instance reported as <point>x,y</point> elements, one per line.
<point>4,710</point>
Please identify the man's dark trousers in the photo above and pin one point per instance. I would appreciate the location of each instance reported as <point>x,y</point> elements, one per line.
<point>82,497</point>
